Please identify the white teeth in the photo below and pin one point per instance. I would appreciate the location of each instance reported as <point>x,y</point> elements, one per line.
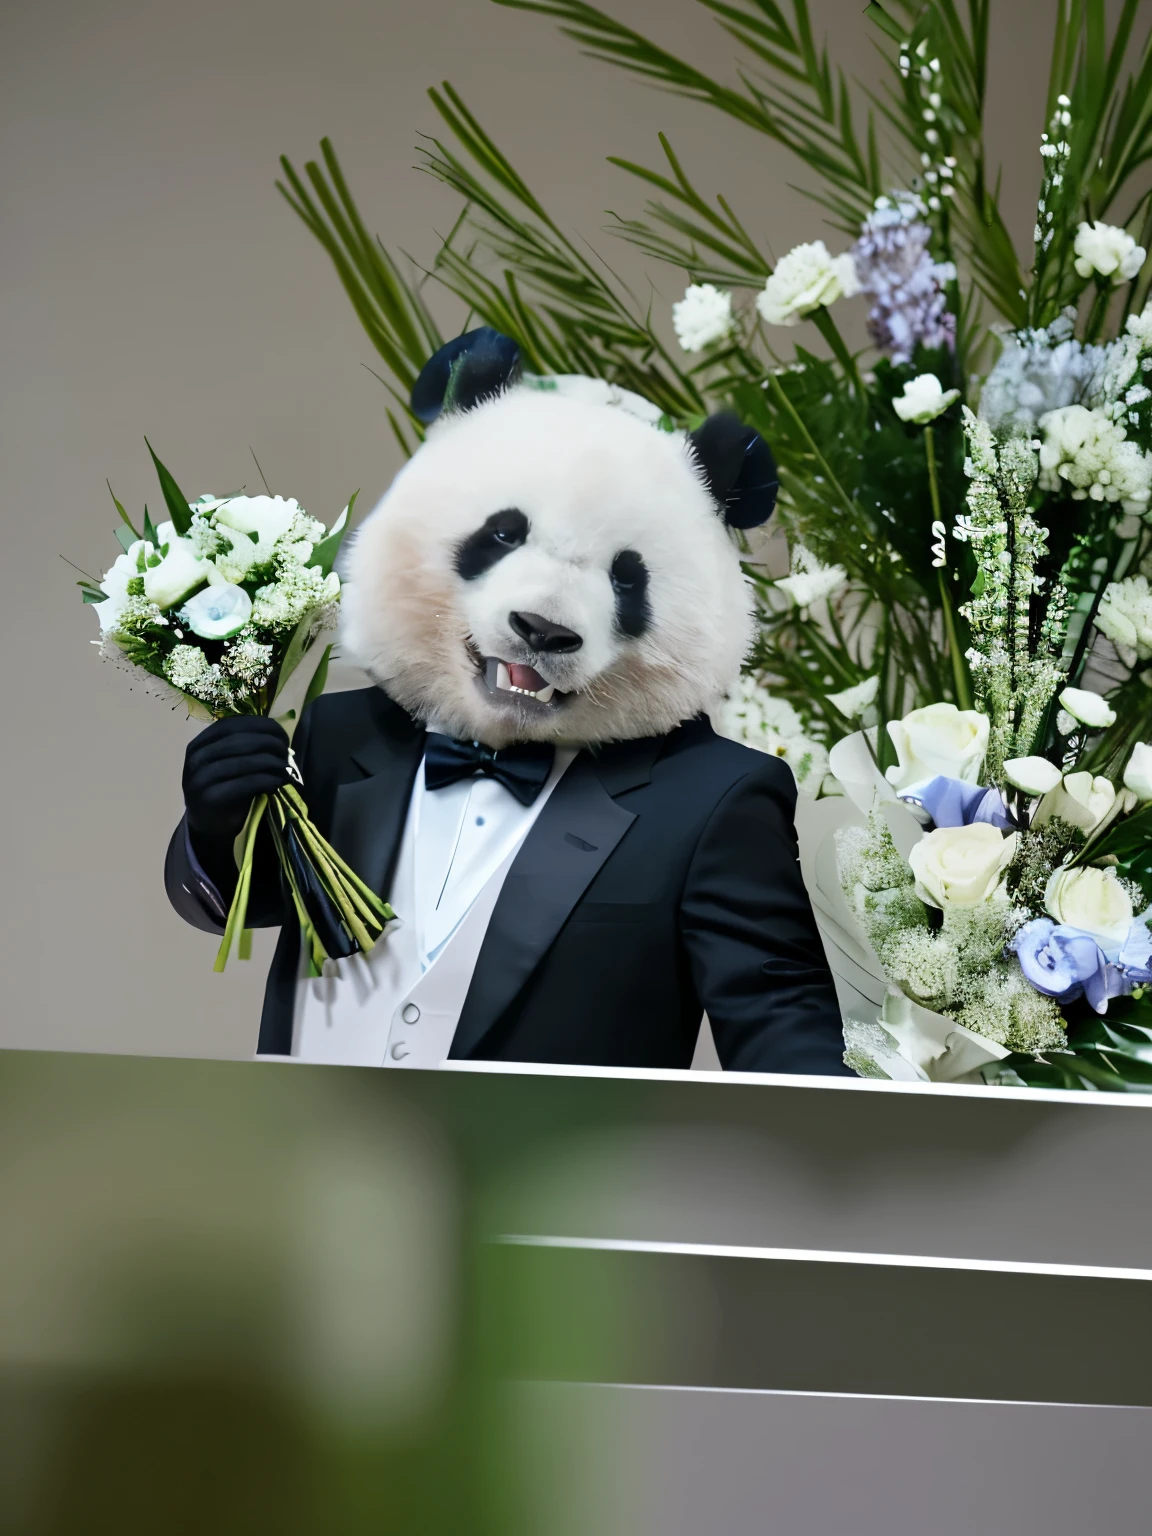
<point>499,677</point>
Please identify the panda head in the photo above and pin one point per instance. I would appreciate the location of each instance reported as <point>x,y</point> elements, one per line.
<point>547,569</point>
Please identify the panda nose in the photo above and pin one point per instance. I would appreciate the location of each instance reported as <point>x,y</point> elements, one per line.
<point>542,635</point>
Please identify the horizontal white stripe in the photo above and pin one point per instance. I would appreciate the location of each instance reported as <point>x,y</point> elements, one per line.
<point>799,1080</point>
<point>824,1256</point>
<point>865,1397</point>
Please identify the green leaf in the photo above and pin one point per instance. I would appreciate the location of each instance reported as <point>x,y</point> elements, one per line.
<point>124,516</point>
<point>319,679</point>
<point>296,648</point>
<point>880,18</point>
<point>89,595</point>
<point>150,530</point>
<point>126,538</point>
<point>324,554</point>
<point>174,498</point>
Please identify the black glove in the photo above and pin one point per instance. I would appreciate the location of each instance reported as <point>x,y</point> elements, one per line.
<point>226,767</point>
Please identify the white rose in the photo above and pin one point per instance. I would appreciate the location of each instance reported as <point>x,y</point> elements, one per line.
<point>218,612</point>
<point>961,866</point>
<point>804,280</point>
<point>1088,707</point>
<point>924,399</point>
<point>1080,799</point>
<point>1108,251</point>
<point>702,317</point>
<point>180,571</point>
<point>938,739</point>
<point>1092,900</point>
<point>268,517</point>
<point>1138,773</point>
<point>1034,775</point>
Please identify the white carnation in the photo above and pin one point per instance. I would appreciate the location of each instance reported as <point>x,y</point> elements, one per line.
<point>1125,616</point>
<point>810,581</point>
<point>751,715</point>
<point>852,702</point>
<point>1088,453</point>
<point>268,517</point>
<point>1107,251</point>
<point>702,317</point>
<point>923,399</point>
<point>804,280</point>
<point>1140,326</point>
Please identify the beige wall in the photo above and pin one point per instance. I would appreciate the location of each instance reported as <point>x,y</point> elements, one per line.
<point>154,282</point>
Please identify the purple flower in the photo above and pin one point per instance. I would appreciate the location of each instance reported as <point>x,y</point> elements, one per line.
<point>1065,963</point>
<point>907,287</point>
<point>956,803</point>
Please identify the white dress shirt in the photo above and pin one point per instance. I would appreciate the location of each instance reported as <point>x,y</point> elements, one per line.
<point>399,1005</point>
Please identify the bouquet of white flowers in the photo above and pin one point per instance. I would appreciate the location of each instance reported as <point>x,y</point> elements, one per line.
<point>1002,881</point>
<point>226,606</point>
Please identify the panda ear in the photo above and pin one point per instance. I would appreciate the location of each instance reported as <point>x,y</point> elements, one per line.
<point>465,371</point>
<point>738,468</point>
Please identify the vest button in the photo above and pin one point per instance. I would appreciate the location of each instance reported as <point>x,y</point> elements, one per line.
<point>410,1013</point>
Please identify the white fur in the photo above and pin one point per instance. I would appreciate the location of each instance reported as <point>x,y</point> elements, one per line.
<point>592,482</point>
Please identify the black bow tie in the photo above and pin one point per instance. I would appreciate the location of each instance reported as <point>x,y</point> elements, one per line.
<point>523,770</point>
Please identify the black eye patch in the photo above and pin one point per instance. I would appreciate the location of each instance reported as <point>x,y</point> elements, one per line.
<point>629,577</point>
<point>497,536</point>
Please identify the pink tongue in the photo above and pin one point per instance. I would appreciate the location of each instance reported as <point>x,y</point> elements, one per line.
<point>525,677</point>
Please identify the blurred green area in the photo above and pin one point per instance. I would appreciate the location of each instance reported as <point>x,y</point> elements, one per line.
<point>235,1299</point>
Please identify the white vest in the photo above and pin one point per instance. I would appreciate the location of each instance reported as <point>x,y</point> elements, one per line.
<point>399,1006</point>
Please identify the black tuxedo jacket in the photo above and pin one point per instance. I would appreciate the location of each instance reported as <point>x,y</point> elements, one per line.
<point>659,881</point>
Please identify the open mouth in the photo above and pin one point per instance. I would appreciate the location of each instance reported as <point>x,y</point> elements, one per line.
<point>513,677</point>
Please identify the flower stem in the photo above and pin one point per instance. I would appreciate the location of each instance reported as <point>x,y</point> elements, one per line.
<point>959,675</point>
<point>239,908</point>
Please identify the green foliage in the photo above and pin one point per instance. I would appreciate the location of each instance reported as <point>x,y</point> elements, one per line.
<point>1109,1054</point>
<point>857,483</point>
<point>174,498</point>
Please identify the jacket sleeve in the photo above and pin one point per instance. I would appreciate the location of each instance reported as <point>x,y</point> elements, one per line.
<point>200,883</point>
<point>752,942</point>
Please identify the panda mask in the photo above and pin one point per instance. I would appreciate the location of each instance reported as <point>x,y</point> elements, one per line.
<point>545,568</point>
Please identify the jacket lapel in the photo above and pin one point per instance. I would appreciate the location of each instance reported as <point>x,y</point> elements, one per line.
<point>567,846</point>
<point>368,814</point>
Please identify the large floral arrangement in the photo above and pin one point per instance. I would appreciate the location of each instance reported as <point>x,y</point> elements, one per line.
<point>1005,891</point>
<point>226,607</point>
<point>964,503</point>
